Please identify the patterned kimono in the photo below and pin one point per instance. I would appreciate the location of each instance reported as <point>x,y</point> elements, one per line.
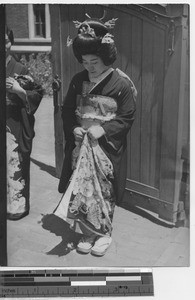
<point>20,133</point>
<point>94,172</point>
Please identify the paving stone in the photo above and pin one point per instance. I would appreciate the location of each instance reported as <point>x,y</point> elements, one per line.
<point>174,255</point>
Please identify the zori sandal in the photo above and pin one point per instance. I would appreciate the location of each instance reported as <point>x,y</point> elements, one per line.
<point>101,246</point>
<point>85,244</point>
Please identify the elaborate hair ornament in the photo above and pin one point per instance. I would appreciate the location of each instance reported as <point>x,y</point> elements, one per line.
<point>104,14</point>
<point>69,41</point>
<point>77,23</point>
<point>111,23</point>
<point>107,39</point>
<point>87,16</point>
<point>86,29</point>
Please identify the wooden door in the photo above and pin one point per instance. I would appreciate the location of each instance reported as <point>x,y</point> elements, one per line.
<point>150,50</point>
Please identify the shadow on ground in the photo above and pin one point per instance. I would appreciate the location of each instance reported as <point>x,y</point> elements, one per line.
<point>146,215</point>
<point>59,227</point>
<point>49,169</point>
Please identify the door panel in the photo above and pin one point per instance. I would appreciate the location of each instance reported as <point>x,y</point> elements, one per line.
<point>142,41</point>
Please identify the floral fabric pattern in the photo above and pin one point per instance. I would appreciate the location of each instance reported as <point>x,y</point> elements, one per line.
<point>97,108</point>
<point>15,183</point>
<point>93,191</point>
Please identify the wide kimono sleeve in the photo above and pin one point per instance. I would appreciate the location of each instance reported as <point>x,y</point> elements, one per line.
<point>68,111</point>
<point>117,129</point>
<point>33,100</point>
<point>34,96</point>
<point>69,123</point>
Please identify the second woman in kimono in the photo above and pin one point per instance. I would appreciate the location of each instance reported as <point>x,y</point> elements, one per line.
<point>98,113</point>
<point>23,97</point>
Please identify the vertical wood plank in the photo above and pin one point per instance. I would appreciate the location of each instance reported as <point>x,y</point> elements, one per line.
<point>112,12</point>
<point>137,31</point>
<point>56,59</point>
<point>65,51</point>
<point>170,128</point>
<point>147,95</point>
<point>56,40</point>
<point>181,111</point>
<point>156,106</point>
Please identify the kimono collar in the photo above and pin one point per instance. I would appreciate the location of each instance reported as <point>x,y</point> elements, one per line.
<point>102,76</point>
<point>96,81</point>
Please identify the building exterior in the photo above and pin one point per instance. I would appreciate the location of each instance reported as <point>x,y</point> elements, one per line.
<point>31,26</point>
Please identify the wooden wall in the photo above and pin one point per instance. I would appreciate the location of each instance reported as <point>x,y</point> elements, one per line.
<point>151,50</point>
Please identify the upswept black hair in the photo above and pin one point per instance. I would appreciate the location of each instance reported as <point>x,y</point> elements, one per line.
<point>85,43</point>
<point>10,34</point>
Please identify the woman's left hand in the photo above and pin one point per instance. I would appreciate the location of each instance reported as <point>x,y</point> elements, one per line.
<point>95,132</point>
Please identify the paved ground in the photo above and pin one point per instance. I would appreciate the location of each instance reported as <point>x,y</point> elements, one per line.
<point>41,239</point>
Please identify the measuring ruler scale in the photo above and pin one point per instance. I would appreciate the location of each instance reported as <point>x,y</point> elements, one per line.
<point>76,282</point>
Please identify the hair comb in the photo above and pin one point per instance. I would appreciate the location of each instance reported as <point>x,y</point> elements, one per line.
<point>111,23</point>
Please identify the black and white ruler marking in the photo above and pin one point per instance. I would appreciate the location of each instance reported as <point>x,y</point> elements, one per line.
<point>76,282</point>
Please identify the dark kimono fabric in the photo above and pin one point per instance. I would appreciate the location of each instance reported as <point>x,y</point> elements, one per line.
<point>21,124</point>
<point>114,142</point>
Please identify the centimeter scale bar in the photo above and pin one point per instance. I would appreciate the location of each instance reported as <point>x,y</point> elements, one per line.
<point>50,283</point>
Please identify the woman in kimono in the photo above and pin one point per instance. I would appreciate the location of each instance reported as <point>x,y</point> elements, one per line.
<point>23,97</point>
<point>97,114</point>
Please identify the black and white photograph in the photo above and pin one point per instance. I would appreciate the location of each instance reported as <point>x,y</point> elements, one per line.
<point>97,135</point>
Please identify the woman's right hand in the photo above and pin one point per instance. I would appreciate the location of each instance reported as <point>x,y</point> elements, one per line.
<point>79,133</point>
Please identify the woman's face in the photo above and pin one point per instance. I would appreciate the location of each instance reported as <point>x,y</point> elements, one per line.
<point>94,65</point>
